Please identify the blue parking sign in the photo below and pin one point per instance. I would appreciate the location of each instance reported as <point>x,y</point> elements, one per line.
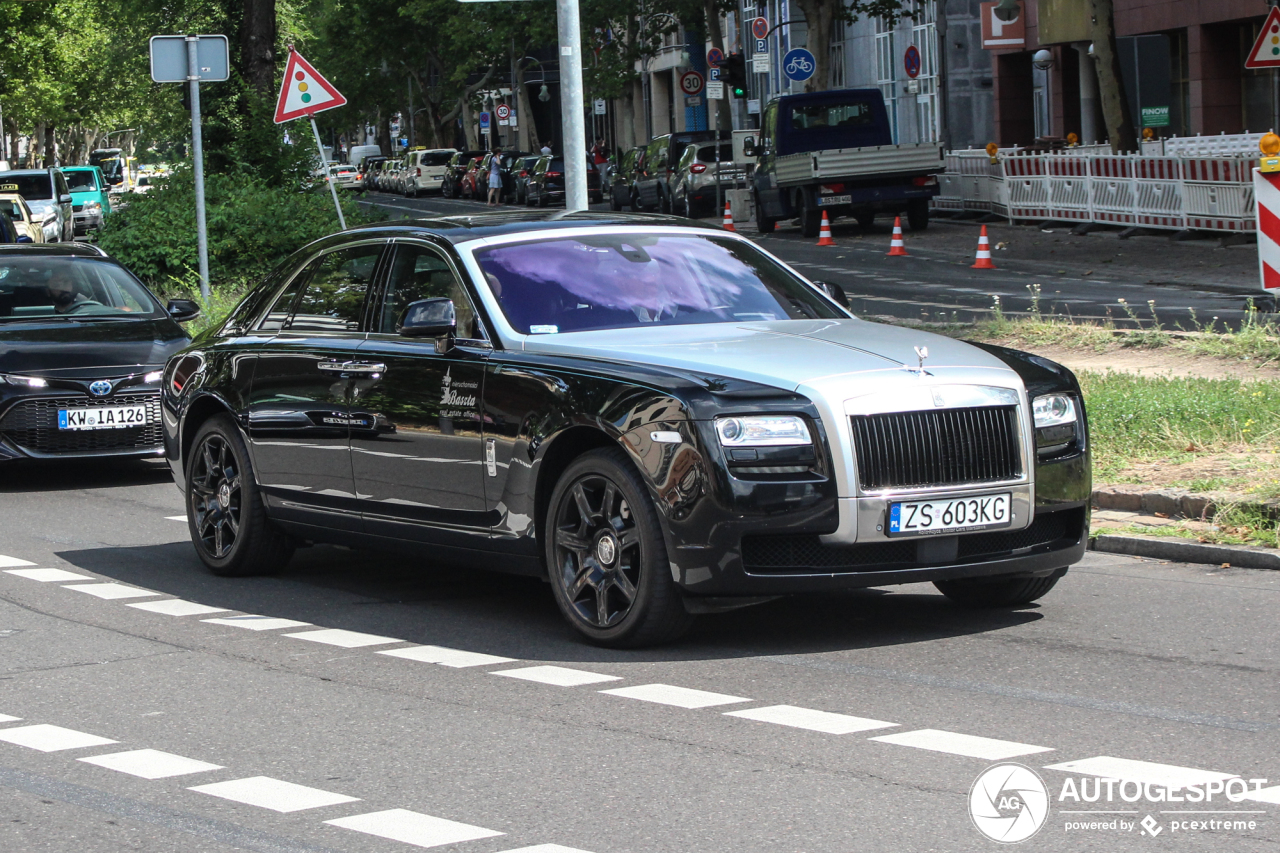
<point>484,120</point>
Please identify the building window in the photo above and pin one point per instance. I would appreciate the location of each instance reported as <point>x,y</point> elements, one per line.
<point>1255,85</point>
<point>1179,87</point>
<point>924,35</point>
<point>836,57</point>
<point>885,67</point>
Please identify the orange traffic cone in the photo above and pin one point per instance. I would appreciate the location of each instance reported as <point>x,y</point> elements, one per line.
<point>896,247</point>
<point>728,219</point>
<point>983,259</point>
<point>824,233</point>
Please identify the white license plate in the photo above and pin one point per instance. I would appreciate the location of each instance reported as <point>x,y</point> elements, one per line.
<point>827,200</point>
<point>956,515</point>
<point>114,417</point>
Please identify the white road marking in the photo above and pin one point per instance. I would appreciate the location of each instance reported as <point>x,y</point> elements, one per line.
<point>420,830</point>
<point>48,738</point>
<point>5,718</point>
<point>1142,772</point>
<point>682,697</point>
<point>47,575</point>
<point>1265,795</point>
<point>958,744</point>
<point>455,658</point>
<point>557,675</point>
<point>345,639</point>
<point>151,763</point>
<point>177,607</point>
<point>111,590</point>
<point>806,718</point>
<point>175,518</point>
<point>547,848</point>
<point>274,794</point>
<point>13,561</point>
<point>257,623</point>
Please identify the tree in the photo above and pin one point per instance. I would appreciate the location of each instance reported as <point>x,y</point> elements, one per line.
<point>821,15</point>
<point>1115,106</point>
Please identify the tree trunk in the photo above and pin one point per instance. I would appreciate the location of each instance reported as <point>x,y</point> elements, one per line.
<point>51,147</point>
<point>468,126</point>
<point>258,46</point>
<point>524,111</point>
<point>818,17</point>
<point>715,35</point>
<point>1115,106</point>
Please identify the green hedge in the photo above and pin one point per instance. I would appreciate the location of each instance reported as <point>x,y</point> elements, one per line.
<point>252,227</point>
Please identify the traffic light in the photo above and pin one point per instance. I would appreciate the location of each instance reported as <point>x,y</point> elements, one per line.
<point>733,71</point>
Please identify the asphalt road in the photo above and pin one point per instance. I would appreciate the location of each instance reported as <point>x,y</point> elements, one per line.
<point>936,283</point>
<point>285,740</point>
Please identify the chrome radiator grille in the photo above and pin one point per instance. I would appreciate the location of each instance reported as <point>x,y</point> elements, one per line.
<point>940,447</point>
<point>33,425</point>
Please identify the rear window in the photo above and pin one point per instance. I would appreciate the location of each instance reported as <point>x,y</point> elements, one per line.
<point>432,158</point>
<point>75,288</point>
<point>13,209</point>
<point>707,153</point>
<point>850,114</point>
<point>28,186</point>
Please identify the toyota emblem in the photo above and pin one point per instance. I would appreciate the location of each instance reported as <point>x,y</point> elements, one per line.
<point>101,388</point>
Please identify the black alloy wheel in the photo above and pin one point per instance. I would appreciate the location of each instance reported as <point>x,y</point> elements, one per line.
<point>225,515</point>
<point>607,558</point>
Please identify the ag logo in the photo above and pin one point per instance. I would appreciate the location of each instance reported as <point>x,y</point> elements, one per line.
<point>1008,803</point>
<point>101,388</point>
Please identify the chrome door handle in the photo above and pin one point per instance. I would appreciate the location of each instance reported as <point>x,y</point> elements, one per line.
<point>332,366</point>
<point>364,367</point>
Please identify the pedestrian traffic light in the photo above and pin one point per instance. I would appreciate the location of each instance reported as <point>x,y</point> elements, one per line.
<point>733,71</point>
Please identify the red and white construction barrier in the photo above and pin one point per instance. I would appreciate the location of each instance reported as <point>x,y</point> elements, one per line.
<point>1266,189</point>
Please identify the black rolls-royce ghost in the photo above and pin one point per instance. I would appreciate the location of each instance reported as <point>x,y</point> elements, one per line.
<point>659,417</point>
<point>82,346</point>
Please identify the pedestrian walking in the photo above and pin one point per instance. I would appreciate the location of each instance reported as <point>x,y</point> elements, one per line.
<point>495,179</point>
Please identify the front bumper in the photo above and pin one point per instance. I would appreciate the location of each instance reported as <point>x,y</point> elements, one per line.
<point>29,427</point>
<point>86,222</point>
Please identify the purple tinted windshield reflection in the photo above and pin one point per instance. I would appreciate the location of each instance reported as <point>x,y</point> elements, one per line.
<point>618,281</point>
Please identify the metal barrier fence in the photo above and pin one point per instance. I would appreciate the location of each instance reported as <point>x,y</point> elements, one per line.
<point>1089,184</point>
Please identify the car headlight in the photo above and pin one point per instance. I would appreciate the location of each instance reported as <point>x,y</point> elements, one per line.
<point>24,381</point>
<point>1053,410</point>
<point>93,206</point>
<point>153,376</point>
<point>763,431</point>
<point>50,217</point>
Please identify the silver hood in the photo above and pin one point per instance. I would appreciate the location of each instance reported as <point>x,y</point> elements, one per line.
<point>785,354</point>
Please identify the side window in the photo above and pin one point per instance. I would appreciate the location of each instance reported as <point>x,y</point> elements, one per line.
<point>334,296</point>
<point>770,124</point>
<point>280,310</point>
<point>421,273</point>
<point>60,183</point>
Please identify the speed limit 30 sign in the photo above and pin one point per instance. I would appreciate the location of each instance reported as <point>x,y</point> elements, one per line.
<point>691,82</point>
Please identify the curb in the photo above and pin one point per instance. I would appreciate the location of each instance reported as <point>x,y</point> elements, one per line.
<point>1171,502</point>
<point>1181,551</point>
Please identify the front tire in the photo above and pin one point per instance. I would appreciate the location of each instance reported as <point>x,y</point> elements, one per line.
<point>607,558</point>
<point>998,592</point>
<point>228,523</point>
<point>810,219</point>
<point>764,224</point>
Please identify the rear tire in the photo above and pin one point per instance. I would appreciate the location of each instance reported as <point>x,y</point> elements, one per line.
<point>918,214</point>
<point>865,219</point>
<point>606,556</point>
<point>810,219</point>
<point>998,592</point>
<point>228,523</point>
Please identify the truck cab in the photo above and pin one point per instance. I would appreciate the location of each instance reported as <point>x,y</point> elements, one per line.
<point>833,151</point>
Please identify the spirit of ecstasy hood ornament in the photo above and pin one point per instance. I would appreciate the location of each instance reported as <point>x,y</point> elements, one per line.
<point>921,353</point>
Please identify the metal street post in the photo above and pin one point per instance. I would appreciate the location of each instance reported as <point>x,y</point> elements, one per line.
<point>328,175</point>
<point>197,156</point>
<point>573,106</point>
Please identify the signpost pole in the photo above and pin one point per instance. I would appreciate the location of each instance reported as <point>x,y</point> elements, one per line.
<point>572,107</point>
<point>328,178</point>
<point>197,156</point>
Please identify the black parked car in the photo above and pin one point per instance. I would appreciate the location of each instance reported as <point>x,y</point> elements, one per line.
<point>657,416</point>
<point>520,170</point>
<point>82,344</point>
<point>622,178</point>
<point>451,186</point>
<point>546,183</point>
<point>655,179</point>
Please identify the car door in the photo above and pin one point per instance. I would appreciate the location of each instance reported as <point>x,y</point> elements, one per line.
<point>299,403</point>
<point>417,436</point>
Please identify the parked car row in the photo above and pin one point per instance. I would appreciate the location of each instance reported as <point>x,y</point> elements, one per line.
<point>675,173</point>
<point>421,170</point>
<point>48,198</point>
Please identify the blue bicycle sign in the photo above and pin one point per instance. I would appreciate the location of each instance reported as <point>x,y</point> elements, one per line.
<point>798,64</point>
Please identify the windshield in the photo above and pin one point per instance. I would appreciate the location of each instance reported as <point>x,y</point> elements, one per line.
<point>619,281</point>
<point>75,288</point>
<point>30,187</point>
<point>851,114</point>
<point>81,181</point>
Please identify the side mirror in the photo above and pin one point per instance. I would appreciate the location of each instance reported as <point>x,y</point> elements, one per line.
<point>65,198</point>
<point>835,291</point>
<point>749,146</point>
<point>183,310</point>
<point>430,318</point>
